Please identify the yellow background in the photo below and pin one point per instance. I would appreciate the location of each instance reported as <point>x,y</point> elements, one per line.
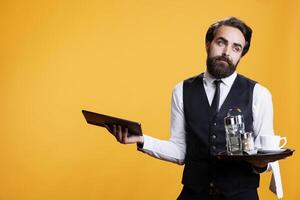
<point>123,58</point>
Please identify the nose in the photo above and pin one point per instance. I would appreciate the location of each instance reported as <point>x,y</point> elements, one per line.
<point>225,51</point>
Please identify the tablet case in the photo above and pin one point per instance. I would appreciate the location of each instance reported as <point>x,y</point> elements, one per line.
<point>134,128</point>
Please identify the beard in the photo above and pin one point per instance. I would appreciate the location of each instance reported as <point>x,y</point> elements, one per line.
<point>220,66</point>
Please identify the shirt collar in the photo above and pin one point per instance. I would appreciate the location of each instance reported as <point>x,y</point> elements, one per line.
<point>228,81</point>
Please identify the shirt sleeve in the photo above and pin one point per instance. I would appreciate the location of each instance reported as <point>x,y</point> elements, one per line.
<point>172,150</point>
<point>263,124</point>
<point>262,115</point>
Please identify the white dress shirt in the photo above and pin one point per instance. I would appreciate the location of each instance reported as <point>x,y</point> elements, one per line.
<point>174,149</point>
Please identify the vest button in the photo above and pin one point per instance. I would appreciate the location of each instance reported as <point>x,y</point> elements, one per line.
<point>214,147</point>
<point>211,184</point>
<point>214,137</point>
<point>215,123</point>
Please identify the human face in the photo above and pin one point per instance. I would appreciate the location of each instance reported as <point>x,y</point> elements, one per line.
<point>224,51</point>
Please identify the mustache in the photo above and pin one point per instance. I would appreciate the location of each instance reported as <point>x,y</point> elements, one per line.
<point>223,58</point>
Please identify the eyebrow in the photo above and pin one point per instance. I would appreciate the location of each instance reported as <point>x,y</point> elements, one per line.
<point>226,41</point>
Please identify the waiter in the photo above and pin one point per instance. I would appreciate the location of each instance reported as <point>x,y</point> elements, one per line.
<point>199,105</point>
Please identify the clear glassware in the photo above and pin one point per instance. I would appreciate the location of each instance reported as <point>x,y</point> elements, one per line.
<point>248,143</point>
<point>234,127</point>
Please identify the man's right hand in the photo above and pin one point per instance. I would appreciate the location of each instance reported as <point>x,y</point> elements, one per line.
<point>122,135</point>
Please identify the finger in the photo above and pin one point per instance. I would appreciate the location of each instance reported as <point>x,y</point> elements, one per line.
<point>119,133</point>
<point>108,128</point>
<point>114,130</point>
<point>125,136</point>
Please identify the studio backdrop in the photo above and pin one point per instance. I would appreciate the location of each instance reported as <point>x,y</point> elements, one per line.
<point>123,58</point>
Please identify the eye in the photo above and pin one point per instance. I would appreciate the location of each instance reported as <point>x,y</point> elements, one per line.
<point>220,42</point>
<point>237,49</point>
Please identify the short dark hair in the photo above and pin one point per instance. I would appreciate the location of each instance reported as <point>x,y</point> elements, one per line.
<point>233,22</point>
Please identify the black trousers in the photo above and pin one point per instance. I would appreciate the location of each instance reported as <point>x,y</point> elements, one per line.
<point>189,194</point>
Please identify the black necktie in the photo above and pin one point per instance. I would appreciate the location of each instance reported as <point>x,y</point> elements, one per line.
<point>215,103</point>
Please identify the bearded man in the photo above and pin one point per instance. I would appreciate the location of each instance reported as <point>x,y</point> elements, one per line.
<point>199,105</point>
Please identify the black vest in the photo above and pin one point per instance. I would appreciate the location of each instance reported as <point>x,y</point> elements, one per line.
<point>205,136</point>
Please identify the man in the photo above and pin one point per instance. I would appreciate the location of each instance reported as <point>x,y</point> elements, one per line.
<point>199,105</point>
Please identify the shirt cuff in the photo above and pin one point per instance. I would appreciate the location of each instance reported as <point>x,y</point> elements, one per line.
<point>145,145</point>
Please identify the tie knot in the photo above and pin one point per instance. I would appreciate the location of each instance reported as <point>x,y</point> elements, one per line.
<point>217,82</point>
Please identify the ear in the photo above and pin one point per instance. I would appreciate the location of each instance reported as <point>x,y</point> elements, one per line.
<point>207,45</point>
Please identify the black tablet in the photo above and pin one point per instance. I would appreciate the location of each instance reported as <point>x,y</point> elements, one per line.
<point>97,119</point>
